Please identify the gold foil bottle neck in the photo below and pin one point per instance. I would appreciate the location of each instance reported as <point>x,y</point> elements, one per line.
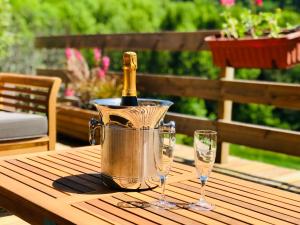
<point>129,69</point>
<point>129,61</point>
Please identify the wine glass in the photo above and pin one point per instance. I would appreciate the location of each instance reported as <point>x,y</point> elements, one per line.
<point>163,157</point>
<point>205,145</point>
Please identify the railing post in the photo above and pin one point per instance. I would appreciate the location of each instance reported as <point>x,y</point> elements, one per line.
<point>224,112</point>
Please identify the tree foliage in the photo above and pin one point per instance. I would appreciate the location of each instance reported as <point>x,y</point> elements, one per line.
<point>32,18</point>
<point>6,36</point>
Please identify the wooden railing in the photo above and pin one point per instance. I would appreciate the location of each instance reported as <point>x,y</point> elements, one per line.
<point>225,90</point>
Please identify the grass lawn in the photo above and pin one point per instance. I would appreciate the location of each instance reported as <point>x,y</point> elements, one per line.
<point>277,159</point>
<point>245,152</point>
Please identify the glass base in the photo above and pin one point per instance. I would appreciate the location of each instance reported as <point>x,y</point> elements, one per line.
<point>162,204</point>
<point>202,205</point>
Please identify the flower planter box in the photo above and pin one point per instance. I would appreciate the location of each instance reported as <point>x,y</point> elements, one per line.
<point>281,53</point>
<point>74,121</point>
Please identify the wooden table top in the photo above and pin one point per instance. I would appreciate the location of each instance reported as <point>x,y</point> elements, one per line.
<point>65,188</point>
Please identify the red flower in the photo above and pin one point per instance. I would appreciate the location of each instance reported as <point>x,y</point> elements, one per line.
<point>105,63</point>
<point>69,92</point>
<point>97,55</point>
<point>100,73</point>
<point>259,2</point>
<point>78,55</point>
<point>227,2</point>
<point>68,52</point>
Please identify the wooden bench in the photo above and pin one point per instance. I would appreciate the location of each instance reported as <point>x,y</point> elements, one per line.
<point>34,95</point>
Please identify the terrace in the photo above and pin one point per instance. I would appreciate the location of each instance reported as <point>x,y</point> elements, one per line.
<point>225,90</point>
<point>43,170</point>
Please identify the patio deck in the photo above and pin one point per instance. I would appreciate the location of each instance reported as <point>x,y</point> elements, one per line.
<point>280,177</point>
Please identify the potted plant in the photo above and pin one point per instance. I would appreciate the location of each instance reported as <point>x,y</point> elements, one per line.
<point>88,84</point>
<point>255,41</point>
<point>84,84</point>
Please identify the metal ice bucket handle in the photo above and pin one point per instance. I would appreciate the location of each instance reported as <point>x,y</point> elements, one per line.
<point>93,125</point>
<point>167,127</point>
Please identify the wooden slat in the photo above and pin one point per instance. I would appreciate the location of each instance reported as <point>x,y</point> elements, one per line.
<point>290,197</point>
<point>54,72</point>
<point>158,217</point>
<point>24,107</point>
<point>24,148</point>
<point>73,111</point>
<point>291,204</point>
<point>72,183</point>
<point>23,90</point>
<point>17,165</point>
<point>277,140</point>
<point>29,80</point>
<point>31,179</point>
<point>101,213</point>
<point>265,212</point>
<point>186,124</point>
<point>71,133</point>
<point>238,211</point>
<point>11,145</point>
<point>185,86</point>
<point>40,209</point>
<point>93,177</point>
<point>75,164</point>
<point>25,99</point>
<point>63,118</point>
<point>61,73</point>
<point>172,41</point>
<point>82,160</point>
<point>271,93</point>
<point>136,215</point>
<point>241,195</point>
<point>181,215</point>
<point>82,128</point>
<point>278,94</point>
<point>85,157</point>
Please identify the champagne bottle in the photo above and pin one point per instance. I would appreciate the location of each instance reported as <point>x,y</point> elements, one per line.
<point>129,97</point>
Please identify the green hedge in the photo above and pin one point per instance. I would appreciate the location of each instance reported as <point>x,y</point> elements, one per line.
<point>53,17</point>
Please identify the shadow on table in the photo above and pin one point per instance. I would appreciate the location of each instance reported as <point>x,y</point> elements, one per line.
<point>90,183</point>
<point>133,204</point>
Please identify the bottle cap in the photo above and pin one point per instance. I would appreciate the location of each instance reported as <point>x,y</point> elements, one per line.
<point>129,60</point>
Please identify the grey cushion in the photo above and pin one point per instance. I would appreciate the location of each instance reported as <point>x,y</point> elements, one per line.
<point>14,126</point>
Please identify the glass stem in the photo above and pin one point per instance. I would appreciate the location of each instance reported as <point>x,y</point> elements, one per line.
<point>202,190</point>
<point>162,185</point>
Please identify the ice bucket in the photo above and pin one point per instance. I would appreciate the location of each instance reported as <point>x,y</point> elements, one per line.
<point>129,135</point>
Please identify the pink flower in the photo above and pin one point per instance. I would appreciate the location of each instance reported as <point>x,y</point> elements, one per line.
<point>227,2</point>
<point>105,63</point>
<point>100,73</point>
<point>78,55</point>
<point>259,2</point>
<point>69,92</point>
<point>97,55</point>
<point>68,53</point>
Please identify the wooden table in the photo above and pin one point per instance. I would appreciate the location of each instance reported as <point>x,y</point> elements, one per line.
<point>65,188</point>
